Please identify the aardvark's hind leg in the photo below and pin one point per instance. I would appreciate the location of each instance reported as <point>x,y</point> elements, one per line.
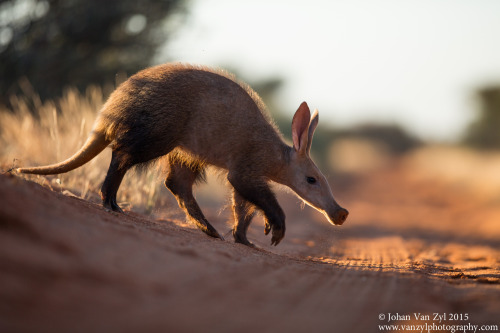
<point>112,182</point>
<point>180,182</point>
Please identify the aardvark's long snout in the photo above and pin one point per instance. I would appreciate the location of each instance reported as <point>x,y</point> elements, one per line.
<point>338,216</point>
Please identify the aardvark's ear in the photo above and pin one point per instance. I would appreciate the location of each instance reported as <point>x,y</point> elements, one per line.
<point>300,128</point>
<point>312,128</point>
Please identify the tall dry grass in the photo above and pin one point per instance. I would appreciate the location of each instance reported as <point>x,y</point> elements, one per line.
<point>57,132</point>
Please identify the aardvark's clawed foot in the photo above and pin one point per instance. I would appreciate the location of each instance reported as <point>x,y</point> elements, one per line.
<point>112,206</point>
<point>278,232</point>
<point>242,239</point>
<point>210,230</point>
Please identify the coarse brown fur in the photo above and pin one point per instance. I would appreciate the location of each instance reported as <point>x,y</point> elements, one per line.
<point>191,117</point>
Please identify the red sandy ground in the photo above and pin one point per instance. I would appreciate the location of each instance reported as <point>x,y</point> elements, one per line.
<point>409,246</point>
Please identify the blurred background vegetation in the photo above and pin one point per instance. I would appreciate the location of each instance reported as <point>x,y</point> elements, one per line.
<point>484,132</point>
<point>55,44</point>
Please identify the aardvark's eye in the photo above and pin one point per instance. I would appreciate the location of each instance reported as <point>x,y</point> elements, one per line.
<point>311,180</point>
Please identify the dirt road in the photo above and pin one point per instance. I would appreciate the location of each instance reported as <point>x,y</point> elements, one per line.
<point>410,247</point>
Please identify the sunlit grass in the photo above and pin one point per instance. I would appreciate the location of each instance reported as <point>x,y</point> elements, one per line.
<point>56,132</point>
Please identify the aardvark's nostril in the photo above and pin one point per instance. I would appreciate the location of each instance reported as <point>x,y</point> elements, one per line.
<point>342,215</point>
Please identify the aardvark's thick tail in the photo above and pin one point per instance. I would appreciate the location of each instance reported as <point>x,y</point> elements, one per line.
<point>92,147</point>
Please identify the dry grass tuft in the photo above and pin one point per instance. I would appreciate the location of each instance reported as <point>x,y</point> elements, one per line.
<point>57,131</point>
